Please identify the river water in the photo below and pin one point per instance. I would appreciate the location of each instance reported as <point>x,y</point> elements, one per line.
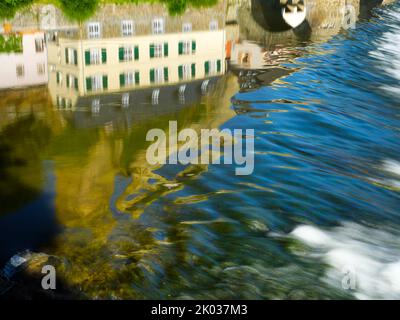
<point>321,204</point>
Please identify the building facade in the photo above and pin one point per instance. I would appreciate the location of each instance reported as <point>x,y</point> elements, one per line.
<point>26,68</point>
<point>119,50</point>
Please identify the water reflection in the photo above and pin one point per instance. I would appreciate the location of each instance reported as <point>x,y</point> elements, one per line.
<point>76,147</point>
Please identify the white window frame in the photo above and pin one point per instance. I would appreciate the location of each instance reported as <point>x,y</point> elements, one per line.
<point>125,99</point>
<point>71,56</point>
<point>186,47</point>
<point>159,75</point>
<point>93,29</point>
<point>128,53</point>
<point>95,56</point>
<point>187,27</point>
<point>97,82</point>
<point>127,28</point>
<point>186,71</point>
<point>158,26</point>
<point>158,50</point>
<point>129,78</point>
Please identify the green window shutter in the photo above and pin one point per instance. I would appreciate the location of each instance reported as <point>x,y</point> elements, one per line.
<point>76,83</point>
<point>122,80</point>
<point>193,70</point>
<point>121,54</point>
<point>207,67</point>
<point>68,81</point>
<point>105,82</point>
<point>76,57</point>
<point>87,57</point>
<point>193,46</point>
<point>166,49</point>
<point>219,65</point>
<point>104,55</point>
<point>152,51</point>
<point>136,52</point>
<point>152,75</point>
<point>89,84</point>
<point>58,77</point>
<point>165,74</point>
<point>137,77</point>
<point>180,47</point>
<point>66,56</point>
<point>180,72</point>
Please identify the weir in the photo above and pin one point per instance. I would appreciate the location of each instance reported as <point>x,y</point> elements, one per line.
<point>283,15</point>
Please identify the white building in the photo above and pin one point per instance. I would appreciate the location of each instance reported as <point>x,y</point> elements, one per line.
<point>28,68</point>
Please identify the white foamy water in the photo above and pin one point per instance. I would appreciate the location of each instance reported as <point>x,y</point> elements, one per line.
<point>388,51</point>
<point>371,256</point>
<point>391,168</point>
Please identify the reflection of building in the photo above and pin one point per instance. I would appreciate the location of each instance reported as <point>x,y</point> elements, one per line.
<point>28,67</point>
<point>119,50</point>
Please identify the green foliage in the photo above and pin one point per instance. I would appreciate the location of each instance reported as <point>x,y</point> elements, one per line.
<point>12,43</point>
<point>79,10</point>
<point>176,7</point>
<point>8,8</point>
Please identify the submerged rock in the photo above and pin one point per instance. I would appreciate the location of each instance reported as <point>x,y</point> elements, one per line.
<point>21,278</point>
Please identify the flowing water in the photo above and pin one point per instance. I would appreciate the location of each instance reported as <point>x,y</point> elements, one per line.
<point>323,197</point>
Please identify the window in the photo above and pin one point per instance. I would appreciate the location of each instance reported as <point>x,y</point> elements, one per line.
<point>127,28</point>
<point>39,44</point>
<point>212,67</point>
<point>186,47</point>
<point>187,27</point>
<point>94,83</point>
<point>72,81</point>
<point>158,50</point>
<point>159,75</point>
<point>128,53</point>
<point>186,71</point>
<point>41,68</point>
<point>158,26</point>
<point>213,25</point>
<point>94,30</point>
<point>52,67</point>
<point>129,78</point>
<point>59,78</point>
<point>20,71</point>
<point>95,56</point>
<point>71,56</point>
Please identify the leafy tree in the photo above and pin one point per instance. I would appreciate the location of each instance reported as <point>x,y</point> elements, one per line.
<point>79,10</point>
<point>8,8</point>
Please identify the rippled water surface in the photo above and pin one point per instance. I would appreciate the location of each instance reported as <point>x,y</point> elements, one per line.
<point>324,194</point>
